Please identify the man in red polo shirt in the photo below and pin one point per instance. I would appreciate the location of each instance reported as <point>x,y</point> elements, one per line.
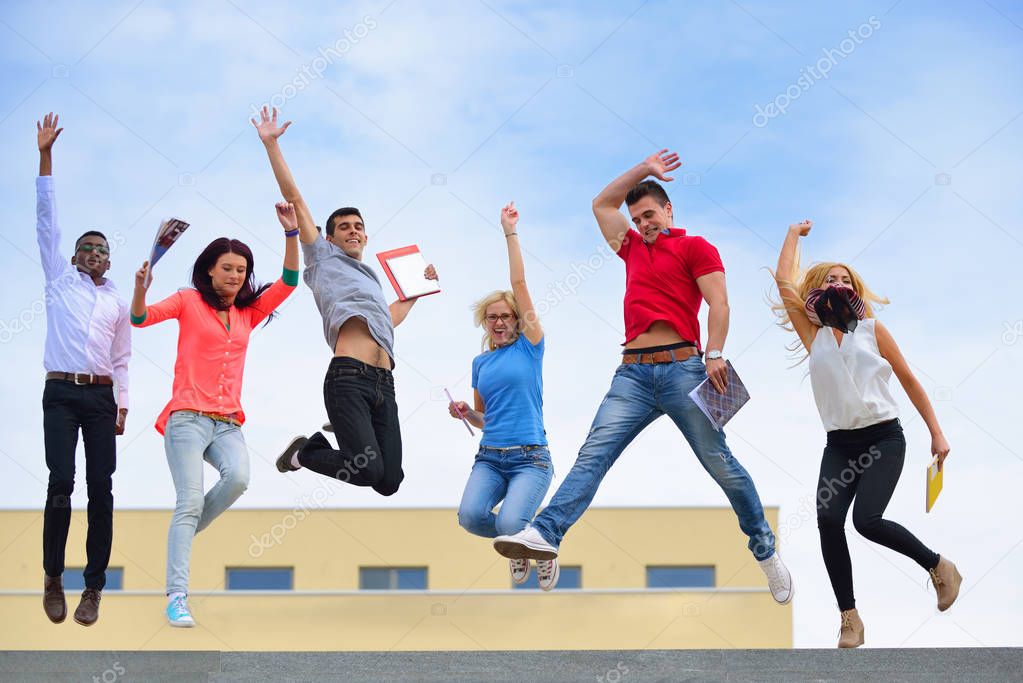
<point>667,275</point>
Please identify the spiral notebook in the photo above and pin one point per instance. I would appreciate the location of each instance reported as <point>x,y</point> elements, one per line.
<point>720,408</point>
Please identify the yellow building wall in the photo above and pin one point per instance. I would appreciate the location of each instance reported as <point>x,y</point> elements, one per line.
<point>468,604</point>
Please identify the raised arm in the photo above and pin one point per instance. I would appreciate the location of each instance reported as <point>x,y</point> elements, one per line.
<point>269,132</point>
<point>785,277</point>
<point>47,230</point>
<point>608,204</point>
<point>517,273</point>
<point>889,350</point>
<point>288,217</point>
<point>46,134</point>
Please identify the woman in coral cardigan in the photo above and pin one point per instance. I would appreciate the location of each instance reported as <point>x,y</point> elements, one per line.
<point>203,419</point>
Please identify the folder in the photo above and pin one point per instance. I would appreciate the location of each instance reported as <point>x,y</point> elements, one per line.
<point>404,267</point>
<point>720,408</point>
<point>934,482</point>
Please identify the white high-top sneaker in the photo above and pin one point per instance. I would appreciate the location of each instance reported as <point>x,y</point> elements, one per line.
<point>779,580</point>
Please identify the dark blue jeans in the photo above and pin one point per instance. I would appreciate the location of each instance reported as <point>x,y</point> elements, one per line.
<point>520,476</point>
<point>639,395</point>
<point>68,407</point>
<point>360,404</point>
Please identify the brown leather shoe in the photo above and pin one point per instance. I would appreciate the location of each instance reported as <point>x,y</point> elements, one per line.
<point>946,579</point>
<point>54,603</point>
<point>850,634</point>
<point>88,609</point>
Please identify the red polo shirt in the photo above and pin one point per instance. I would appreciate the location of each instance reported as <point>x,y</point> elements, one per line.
<point>660,281</point>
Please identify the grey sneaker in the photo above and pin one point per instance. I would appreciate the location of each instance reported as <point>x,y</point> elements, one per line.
<point>284,459</point>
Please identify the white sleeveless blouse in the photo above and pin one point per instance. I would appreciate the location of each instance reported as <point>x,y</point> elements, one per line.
<point>850,381</point>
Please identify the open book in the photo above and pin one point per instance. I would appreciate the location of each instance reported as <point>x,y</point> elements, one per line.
<point>169,232</point>
<point>720,408</point>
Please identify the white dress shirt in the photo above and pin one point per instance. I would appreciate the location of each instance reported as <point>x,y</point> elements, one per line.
<point>88,329</point>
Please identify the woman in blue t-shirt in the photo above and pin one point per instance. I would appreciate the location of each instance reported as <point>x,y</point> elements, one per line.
<point>513,464</point>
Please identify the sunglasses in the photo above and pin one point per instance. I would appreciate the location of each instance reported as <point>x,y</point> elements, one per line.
<point>98,248</point>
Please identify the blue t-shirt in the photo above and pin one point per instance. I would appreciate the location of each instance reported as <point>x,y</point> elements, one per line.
<point>510,380</point>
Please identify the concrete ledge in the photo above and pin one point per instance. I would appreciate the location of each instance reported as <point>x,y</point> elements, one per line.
<point>612,666</point>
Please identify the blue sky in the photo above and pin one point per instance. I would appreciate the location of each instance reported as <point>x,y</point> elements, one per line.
<point>430,116</point>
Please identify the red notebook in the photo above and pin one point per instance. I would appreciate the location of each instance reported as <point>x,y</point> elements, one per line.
<point>405,268</point>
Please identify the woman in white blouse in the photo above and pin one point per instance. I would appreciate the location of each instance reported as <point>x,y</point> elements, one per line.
<point>851,357</point>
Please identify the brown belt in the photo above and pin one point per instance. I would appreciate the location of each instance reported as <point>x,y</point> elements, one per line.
<point>218,417</point>
<point>668,356</point>
<point>80,378</point>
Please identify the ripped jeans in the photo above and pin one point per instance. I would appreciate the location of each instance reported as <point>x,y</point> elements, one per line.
<point>639,394</point>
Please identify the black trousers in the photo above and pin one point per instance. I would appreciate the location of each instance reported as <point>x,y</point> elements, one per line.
<point>66,409</point>
<point>865,465</point>
<point>360,404</point>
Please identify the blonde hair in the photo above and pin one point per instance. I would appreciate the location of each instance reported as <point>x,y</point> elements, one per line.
<point>479,314</point>
<point>805,281</point>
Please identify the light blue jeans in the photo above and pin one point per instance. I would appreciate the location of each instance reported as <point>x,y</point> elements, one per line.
<point>640,394</point>
<point>520,476</point>
<point>189,439</point>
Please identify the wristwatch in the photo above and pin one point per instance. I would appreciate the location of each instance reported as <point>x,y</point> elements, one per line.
<point>714,355</point>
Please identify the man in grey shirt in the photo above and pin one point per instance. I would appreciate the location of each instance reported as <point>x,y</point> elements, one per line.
<point>358,390</point>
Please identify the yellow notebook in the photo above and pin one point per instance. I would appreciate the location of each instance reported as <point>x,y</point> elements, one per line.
<point>934,480</point>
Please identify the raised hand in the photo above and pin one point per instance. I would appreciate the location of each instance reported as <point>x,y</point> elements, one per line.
<point>286,215</point>
<point>430,273</point>
<point>267,126</point>
<point>140,277</point>
<point>660,163</point>
<point>803,228</point>
<point>47,131</point>
<point>509,218</point>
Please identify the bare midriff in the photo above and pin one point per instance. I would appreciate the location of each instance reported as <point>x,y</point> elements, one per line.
<point>355,341</point>
<point>659,333</point>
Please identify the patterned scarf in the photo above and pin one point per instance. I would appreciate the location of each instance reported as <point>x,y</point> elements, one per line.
<point>835,306</point>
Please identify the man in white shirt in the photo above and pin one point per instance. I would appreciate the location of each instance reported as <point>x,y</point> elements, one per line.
<point>88,343</point>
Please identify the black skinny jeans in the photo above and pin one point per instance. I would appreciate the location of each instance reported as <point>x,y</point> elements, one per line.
<point>865,464</point>
<point>360,404</point>
<point>66,408</point>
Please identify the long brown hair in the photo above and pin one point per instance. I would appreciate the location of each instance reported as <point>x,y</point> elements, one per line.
<point>203,282</point>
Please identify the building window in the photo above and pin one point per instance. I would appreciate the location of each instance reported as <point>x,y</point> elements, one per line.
<point>680,577</point>
<point>260,578</point>
<point>570,577</point>
<point>392,578</point>
<point>74,579</point>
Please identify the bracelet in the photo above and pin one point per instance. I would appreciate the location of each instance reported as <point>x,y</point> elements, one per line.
<point>509,234</point>
<point>291,233</point>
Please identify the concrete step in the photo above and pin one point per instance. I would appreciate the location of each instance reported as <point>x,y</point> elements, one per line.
<point>625,666</point>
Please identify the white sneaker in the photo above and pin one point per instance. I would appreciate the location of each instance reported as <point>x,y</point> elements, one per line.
<point>547,573</point>
<point>519,570</point>
<point>527,544</point>
<point>779,580</point>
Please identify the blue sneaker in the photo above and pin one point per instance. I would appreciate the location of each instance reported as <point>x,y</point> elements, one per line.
<point>178,614</point>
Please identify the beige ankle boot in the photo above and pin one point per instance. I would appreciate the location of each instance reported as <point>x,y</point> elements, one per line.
<point>946,579</point>
<point>851,632</point>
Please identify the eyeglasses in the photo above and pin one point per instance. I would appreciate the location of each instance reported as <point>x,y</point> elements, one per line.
<point>98,248</point>
<point>504,317</point>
